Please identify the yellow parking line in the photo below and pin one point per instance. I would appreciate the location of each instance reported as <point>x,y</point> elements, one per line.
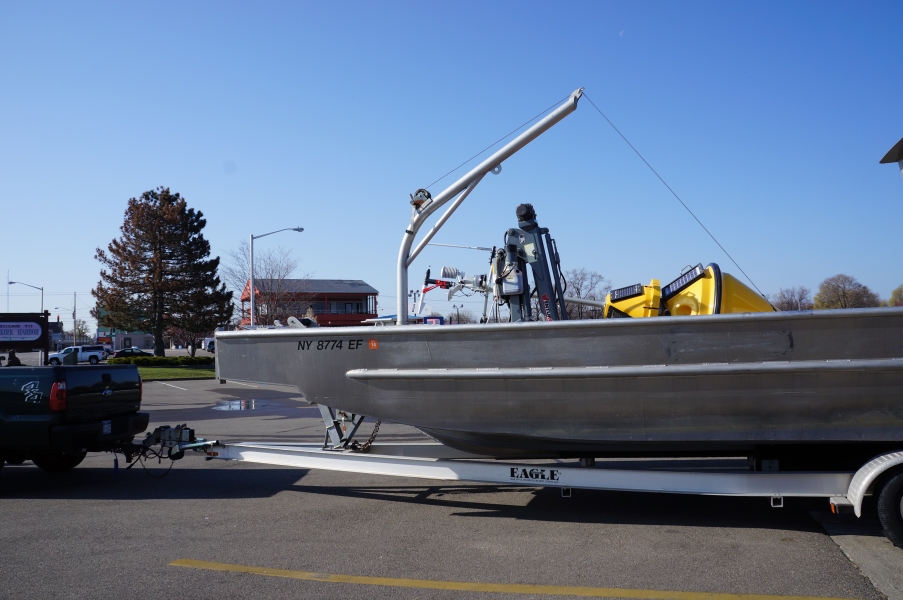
<point>468,586</point>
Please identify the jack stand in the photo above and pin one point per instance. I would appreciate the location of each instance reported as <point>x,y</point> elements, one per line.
<point>338,434</point>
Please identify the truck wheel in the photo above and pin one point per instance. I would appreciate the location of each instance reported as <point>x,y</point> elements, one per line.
<point>890,508</point>
<point>55,361</point>
<point>58,462</point>
<point>93,360</point>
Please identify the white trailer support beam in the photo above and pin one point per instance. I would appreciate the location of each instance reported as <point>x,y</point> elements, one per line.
<point>434,461</point>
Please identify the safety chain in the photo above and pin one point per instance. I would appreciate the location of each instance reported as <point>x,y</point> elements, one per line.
<point>365,447</point>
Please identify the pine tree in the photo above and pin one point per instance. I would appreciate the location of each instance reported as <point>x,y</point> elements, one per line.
<point>158,274</point>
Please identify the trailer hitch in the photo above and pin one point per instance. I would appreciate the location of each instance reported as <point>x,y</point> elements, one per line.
<point>163,442</point>
<point>174,441</point>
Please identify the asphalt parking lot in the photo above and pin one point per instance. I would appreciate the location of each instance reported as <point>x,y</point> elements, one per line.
<point>216,529</point>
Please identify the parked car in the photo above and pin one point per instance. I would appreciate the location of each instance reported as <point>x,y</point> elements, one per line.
<point>102,349</point>
<point>84,354</point>
<point>130,353</point>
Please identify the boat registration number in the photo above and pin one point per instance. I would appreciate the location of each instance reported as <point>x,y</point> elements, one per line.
<point>330,344</point>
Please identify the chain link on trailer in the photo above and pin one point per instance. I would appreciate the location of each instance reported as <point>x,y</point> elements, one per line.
<point>365,447</point>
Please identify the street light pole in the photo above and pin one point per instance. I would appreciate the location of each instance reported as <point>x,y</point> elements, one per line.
<point>33,287</point>
<point>254,237</point>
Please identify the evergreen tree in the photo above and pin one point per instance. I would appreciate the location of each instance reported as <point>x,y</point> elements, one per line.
<point>158,274</point>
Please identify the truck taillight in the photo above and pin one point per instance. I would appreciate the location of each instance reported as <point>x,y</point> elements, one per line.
<point>140,388</point>
<point>58,396</point>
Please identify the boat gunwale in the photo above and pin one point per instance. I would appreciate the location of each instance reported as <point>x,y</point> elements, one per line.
<point>838,313</point>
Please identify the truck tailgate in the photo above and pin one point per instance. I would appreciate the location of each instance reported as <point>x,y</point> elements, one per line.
<point>101,391</point>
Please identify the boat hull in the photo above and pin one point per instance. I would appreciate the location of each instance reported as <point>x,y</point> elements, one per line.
<point>718,384</point>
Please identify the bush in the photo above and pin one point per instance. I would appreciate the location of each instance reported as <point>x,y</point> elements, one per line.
<point>155,361</point>
<point>161,361</point>
<point>195,360</point>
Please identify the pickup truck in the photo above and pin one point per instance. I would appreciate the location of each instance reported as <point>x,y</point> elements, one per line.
<point>89,354</point>
<point>55,415</point>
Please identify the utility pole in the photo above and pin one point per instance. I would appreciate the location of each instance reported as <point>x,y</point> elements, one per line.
<point>458,313</point>
<point>74,322</point>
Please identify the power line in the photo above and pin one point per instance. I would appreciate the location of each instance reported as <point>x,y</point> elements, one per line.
<point>673,193</point>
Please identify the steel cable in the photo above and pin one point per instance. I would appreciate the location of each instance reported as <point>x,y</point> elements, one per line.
<point>673,193</point>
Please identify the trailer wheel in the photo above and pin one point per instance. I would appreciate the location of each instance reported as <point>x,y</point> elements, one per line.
<point>58,462</point>
<point>890,508</point>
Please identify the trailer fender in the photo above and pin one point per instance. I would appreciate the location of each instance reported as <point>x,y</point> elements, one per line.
<point>867,475</point>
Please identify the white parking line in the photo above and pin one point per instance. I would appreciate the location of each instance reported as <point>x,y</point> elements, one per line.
<point>244,384</point>
<point>175,386</point>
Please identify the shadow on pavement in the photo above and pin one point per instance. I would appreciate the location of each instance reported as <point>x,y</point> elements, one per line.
<point>181,483</point>
<point>592,506</point>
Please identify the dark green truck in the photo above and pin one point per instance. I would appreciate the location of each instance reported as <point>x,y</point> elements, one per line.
<point>54,415</point>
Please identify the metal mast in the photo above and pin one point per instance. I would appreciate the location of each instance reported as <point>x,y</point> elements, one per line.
<point>462,188</point>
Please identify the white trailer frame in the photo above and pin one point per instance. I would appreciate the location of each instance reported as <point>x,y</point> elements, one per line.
<point>845,490</point>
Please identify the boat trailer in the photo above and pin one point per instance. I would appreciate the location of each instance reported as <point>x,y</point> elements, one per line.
<point>844,490</point>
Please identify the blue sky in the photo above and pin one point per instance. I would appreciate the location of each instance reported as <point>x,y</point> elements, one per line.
<point>767,118</point>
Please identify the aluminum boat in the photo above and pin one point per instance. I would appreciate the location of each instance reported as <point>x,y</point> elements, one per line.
<point>682,372</point>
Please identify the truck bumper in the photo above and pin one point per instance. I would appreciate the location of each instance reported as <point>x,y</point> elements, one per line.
<point>91,435</point>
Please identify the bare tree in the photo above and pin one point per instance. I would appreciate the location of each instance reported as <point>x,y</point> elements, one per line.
<point>896,297</point>
<point>588,285</point>
<point>279,295</point>
<point>792,298</point>
<point>186,338</point>
<point>843,291</point>
<point>82,332</point>
<point>462,316</point>
<point>578,283</point>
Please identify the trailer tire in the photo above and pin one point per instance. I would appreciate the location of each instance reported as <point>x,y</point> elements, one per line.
<point>58,462</point>
<point>890,508</point>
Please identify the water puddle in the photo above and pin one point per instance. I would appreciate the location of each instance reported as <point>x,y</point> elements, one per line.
<point>239,405</point>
